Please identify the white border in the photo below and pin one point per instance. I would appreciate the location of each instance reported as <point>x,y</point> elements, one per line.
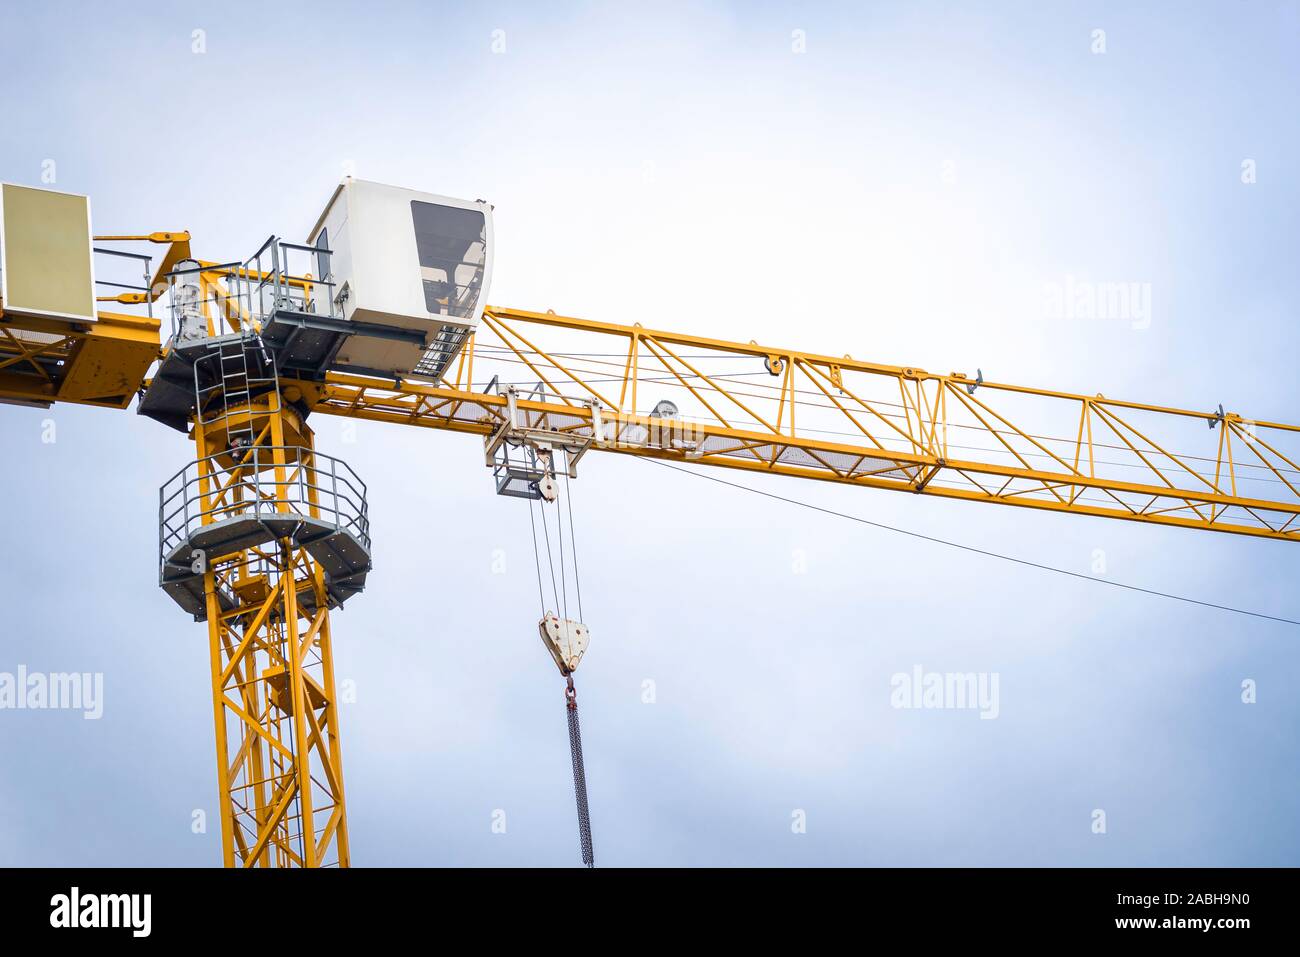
<point>90,251</point>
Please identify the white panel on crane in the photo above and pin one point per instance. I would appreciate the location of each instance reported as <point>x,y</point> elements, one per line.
<point>46,260</point>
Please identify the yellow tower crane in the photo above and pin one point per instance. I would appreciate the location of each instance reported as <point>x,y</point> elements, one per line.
<point>381,315</point>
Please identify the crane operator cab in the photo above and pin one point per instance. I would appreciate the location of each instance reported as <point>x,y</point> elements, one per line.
<point>409,262</point>
<point>391,282</point>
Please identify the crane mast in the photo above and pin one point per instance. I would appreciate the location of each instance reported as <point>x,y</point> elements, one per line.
<point>261,535</point>
<point>267,610</point>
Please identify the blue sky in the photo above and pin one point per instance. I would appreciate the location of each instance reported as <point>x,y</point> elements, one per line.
<point>927,168</point>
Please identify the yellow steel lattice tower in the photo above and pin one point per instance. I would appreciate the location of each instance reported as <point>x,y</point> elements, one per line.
<point>261,536</point>
<point>279,760</point>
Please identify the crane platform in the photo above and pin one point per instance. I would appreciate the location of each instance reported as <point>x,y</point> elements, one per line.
<point>223,505</point>
<point>342,555</point>
<point>299,344</point>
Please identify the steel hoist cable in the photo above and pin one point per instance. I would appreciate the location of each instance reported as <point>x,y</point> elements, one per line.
<point>565,639</point>
<point>550,560</point>
<point>577,581</point>
<point>977,551</point>
<point>537,557</point>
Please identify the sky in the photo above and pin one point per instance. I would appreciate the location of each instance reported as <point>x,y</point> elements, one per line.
<point>922,171</point>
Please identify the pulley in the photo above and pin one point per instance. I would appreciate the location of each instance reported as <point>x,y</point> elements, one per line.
<point>545,485</point>
<point>565,639</point>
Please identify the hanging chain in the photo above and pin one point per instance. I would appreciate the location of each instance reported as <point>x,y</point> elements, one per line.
<point>579,773</point>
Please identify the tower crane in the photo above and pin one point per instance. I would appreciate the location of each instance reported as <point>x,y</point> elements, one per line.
<point>381,314</point>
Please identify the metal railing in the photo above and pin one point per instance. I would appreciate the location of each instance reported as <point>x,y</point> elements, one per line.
<point>267,482</point>
<point>280,276</point>
<point>144,291</point>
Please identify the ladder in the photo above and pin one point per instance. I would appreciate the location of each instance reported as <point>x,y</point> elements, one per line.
<point>237,364</point>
